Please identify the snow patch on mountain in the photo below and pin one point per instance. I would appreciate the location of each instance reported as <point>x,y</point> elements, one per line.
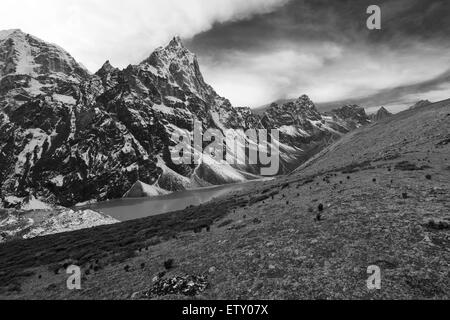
<point>33,204</point>
<point>140,190</point>
<point>218,173</point>
<point>163,109</point>
<point>291,130</point>
<point>70,220</point>
<point>16,224</point>
<point>32,149</point>
<point>58,180</point>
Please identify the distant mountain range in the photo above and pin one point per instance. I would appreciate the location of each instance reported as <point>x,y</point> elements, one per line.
<point>383,113</point>
<point>68,136</point>
<point>400,97</point>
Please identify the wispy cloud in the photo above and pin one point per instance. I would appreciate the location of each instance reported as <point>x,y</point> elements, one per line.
<point>322,48</point>
<point>325,71</point>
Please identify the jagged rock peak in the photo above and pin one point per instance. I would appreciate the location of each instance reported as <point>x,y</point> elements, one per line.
<point>175,50</point>
<point>382,113</point>
<point>297,112</point>
<point>304,98</point>
<point>175,43</point>
<point>106,68</point>
<point>303,103</point>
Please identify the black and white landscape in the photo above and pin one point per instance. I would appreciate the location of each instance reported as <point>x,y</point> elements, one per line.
<point>88,179</point>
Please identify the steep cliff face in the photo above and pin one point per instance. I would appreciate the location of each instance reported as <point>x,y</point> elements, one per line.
<point>68,137</point>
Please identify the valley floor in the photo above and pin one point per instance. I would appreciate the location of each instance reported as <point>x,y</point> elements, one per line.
<point>385,193</point>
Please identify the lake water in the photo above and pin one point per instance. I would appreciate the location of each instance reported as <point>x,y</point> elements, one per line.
<point>135,208</point>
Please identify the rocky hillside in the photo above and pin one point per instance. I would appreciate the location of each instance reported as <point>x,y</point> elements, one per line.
<point>17,225</point>
<point>377,197</point>
<point>67,136</point>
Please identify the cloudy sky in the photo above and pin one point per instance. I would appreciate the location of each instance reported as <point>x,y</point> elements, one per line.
<point>257,51</point>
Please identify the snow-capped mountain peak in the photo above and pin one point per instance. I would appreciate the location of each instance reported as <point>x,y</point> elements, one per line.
<point>106,67</point>
<point>106,70</point>
<point>175,43</point>
<point>381,114</point>
<point>305,102</point>
<point>180,67</point>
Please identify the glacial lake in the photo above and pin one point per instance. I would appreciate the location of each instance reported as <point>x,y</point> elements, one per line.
<point>135,208</point>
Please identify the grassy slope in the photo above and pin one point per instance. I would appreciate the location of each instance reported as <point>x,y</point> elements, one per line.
<point>270,245</point>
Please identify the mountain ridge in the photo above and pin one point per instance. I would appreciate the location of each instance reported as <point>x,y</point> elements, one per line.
<point>95,136</point>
